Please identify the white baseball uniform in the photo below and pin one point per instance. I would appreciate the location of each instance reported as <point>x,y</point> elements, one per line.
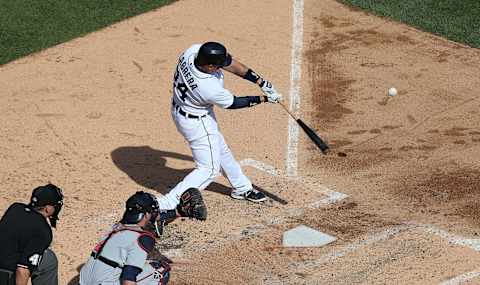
<point>195,93</point>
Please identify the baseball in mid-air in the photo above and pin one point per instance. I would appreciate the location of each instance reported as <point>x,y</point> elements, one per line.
<point>392,91</point>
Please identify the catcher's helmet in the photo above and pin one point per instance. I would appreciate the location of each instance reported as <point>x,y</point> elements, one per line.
<point>137,205</point>
<point>213,53</point>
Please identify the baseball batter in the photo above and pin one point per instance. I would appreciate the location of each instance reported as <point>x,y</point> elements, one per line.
<point>197,88</point>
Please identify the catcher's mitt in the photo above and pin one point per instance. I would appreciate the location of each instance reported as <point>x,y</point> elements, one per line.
<point>192,205</point>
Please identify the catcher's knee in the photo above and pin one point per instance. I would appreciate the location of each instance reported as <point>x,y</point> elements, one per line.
<point>192,205</point>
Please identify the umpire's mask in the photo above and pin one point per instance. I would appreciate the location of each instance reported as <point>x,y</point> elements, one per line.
<point>48,195</point>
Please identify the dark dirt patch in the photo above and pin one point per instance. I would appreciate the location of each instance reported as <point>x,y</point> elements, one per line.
<point>388,127</point>
<point>450,192</point>
<point>406,39</point>
<point>427,147</point>
<point>357,132</point>
<point>328,86</point>
<point>332,22</point>
<point>455,132</point>
<point>339,143</point>
<point>442,186</point>
<point>327,22</point>
<point>346,220</point>
<point>469,210</point>
<point>424,147</point>
<point>357,159</point>
<point>411,119</point>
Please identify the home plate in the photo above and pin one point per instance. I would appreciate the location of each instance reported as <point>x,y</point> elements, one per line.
<point>303,236</point>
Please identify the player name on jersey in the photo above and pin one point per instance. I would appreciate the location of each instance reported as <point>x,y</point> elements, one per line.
<point>186,74</point>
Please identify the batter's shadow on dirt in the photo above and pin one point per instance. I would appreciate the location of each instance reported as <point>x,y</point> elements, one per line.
<point>147,167</point>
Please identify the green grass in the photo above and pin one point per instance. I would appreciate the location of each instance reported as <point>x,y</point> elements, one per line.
<point>457,20</point>
<point>27,26</point>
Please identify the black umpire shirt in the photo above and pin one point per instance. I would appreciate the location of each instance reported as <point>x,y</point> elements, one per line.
<point>24,235</point>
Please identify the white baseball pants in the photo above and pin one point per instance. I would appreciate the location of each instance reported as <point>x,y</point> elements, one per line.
<point>211,155</point>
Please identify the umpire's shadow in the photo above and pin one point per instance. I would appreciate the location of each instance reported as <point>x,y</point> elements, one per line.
<point>147,167</point>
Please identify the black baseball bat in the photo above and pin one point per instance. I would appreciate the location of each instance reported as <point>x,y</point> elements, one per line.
<point>310,133</point>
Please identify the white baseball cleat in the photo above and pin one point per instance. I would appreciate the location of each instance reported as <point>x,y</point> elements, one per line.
<point>251,195</point>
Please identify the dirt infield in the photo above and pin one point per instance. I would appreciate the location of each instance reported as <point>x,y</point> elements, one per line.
<point>93,116</point>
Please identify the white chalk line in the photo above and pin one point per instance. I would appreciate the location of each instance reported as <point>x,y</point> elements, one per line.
<point>294,92</point>
<point>261,166</point>
<point>364,241</point>
<point>459,241</point>
<point>387,234</point>
<point>332,196</point>
<point>451,238</point>
<point>462,278</point>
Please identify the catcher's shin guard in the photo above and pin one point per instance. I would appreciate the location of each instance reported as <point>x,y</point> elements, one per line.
<point>192,205</point>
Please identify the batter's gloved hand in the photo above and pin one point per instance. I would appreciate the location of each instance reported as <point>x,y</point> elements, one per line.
<point>267,87</point>
<point>192,205</point>
<point>274,97</point>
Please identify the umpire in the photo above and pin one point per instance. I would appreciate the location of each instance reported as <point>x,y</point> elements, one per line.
<point>25,238</point>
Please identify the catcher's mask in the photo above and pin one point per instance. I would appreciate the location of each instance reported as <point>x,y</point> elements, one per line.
<point>48,195</point>
<point>213,53</point>
<point>137,206</point>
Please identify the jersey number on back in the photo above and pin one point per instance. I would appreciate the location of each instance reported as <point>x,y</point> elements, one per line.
<point>182,87</point>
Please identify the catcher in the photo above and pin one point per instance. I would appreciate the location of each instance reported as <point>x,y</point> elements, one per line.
<point>120,258</point>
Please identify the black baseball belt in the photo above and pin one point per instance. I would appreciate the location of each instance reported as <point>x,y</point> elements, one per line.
<point>185,114</point>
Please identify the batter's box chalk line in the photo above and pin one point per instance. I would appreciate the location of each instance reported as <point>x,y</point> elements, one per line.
<point>389,233</point>
<point>359,243</point>
<point>332,196</point>
<point>457,240</point>
<point>462,278</point>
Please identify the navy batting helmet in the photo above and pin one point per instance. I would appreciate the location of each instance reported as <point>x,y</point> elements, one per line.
<point>213,53</point>
<point>137,205</point>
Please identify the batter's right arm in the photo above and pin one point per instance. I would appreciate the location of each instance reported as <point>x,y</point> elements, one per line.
<point>243,71</point>
<point>240,69</point>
